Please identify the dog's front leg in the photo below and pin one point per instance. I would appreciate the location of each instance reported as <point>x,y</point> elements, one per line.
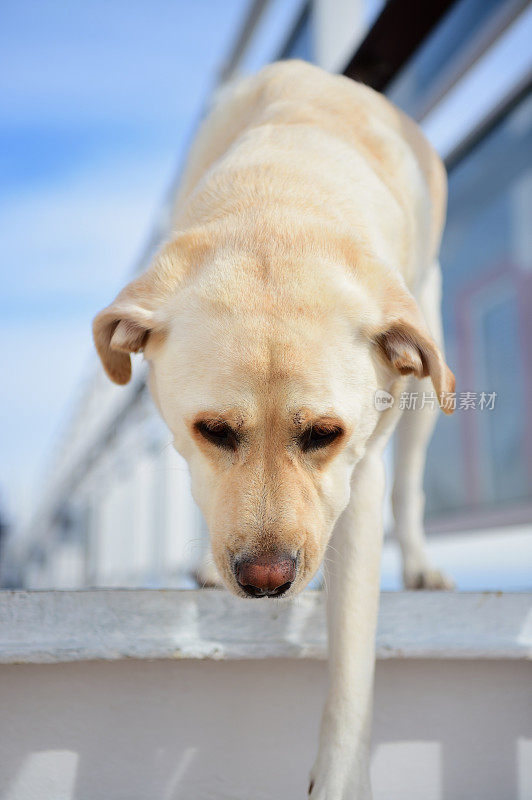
<point>341,771</point>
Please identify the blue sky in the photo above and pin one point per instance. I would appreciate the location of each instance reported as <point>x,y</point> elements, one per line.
<point>97,101</point>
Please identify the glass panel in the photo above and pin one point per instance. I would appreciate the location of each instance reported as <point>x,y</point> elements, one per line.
<point>500,433</point>
<point>487,311</point>
<point>441,56</point>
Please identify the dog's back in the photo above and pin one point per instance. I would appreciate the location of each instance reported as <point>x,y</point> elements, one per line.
<point>293,131</point>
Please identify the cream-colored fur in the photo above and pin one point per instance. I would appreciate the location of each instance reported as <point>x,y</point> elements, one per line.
<point>308,222</point>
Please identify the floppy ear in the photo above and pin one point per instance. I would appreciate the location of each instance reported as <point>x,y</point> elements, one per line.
<point>123,328</point>
<point>409,348</point>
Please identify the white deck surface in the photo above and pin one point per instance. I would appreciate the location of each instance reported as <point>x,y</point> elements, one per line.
<point>199,696</point>
<point>40,627</point>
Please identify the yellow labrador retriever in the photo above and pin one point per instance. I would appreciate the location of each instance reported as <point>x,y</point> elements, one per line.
<point>300,280</point>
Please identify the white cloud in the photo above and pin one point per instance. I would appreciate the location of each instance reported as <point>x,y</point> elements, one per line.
<point>84,234</point>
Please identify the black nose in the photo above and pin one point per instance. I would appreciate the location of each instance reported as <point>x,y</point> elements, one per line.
<point>266,575</point>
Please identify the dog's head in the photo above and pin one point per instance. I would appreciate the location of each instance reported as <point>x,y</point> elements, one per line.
<point>267,383</point>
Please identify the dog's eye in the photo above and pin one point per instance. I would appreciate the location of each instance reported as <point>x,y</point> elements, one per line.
<point>218,433</point>
<point>315,438</point>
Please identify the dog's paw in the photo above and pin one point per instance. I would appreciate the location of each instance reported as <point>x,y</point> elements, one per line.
<point>314,793</point>
<point>427,578</point>
<point>328,785</point>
